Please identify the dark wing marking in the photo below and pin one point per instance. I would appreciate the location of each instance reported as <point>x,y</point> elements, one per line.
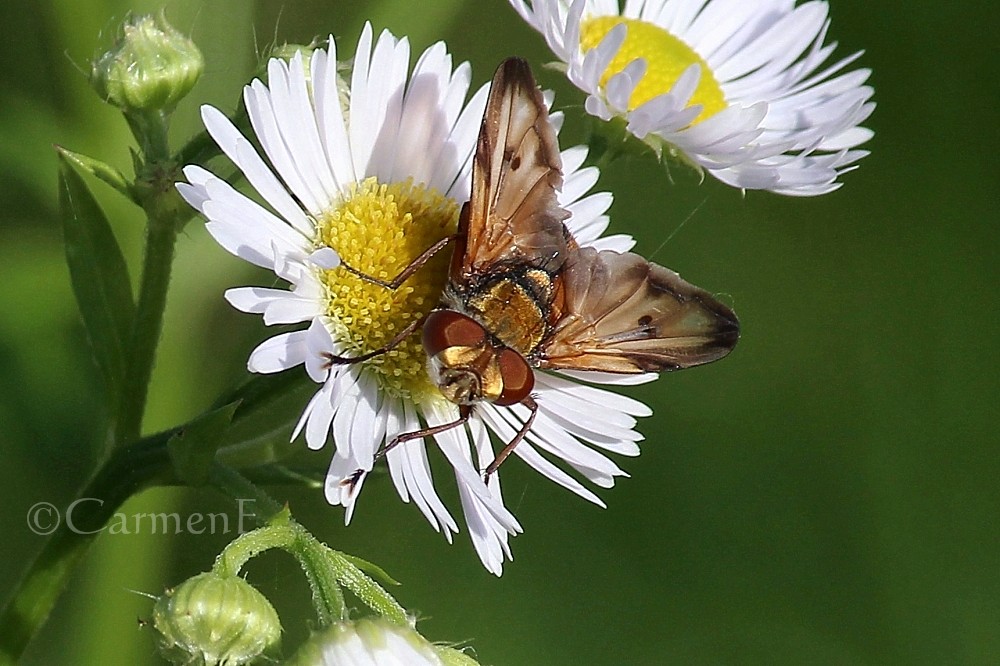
<point>513,213</point>
<point>624,314</point>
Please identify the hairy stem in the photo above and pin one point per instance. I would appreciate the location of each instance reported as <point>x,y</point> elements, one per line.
<point>161,236</point>
<point>280,531</point>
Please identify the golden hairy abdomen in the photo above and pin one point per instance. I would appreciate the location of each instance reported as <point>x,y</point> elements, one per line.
<point>514,310</point>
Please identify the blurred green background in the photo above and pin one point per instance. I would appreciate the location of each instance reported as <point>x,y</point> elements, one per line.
<point>829,494</point>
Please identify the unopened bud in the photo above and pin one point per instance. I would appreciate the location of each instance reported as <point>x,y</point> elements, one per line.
<point>287,52</point>
<point>150,67</point>
<point>213,619</point>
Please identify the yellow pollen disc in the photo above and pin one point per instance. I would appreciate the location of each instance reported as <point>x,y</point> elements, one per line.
<point>379,229</point>
<point>666,59</point>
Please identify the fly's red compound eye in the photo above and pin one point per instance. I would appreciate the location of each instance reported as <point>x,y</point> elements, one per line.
<point>447,328</point>
<point>518,378</point>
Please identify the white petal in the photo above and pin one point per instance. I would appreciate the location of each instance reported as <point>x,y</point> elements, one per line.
<point>238,149</point>
<point>325,257</point>
<point>330,115</point>
<point>281,352</point>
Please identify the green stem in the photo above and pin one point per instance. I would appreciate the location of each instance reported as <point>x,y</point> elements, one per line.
<point>326,570</point>
<point>280,531</point>
<point>128,471</point>
<point>150,130</point>
<point>198,150</point>
<point>165,212</point>
<point>161,236</point>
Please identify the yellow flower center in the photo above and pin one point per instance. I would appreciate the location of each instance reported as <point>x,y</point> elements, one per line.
<point>379,229</point>
<point>666,59</point>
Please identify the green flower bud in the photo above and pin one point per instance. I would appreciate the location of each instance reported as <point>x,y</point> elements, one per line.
<point>287,51</point>
<point>454,657</point>
<point>212,619</point>
<point>370,642</point>
<point>151,66</point>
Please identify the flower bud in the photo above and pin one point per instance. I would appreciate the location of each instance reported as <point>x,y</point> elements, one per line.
<point>287,52</point>
<point>370,642</point>
<point>215,619</point>
<point>151,66</point>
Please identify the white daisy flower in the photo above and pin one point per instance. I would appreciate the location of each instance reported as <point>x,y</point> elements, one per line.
<point>737,88</point>
<point>375,642</point>
<point>376,181</point>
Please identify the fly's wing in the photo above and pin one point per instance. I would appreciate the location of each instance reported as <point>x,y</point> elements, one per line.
<point>624,314</point>
<point>513,214</point>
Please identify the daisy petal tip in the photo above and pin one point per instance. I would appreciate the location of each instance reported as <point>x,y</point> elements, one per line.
<point>325,258</point>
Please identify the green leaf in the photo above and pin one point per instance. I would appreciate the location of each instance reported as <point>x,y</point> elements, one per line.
<point>192,448</point>
<point>275,474</point>
<point>98,169</point>
<point>373,570</point>
<point>98,273</point>
<point>365,589</point>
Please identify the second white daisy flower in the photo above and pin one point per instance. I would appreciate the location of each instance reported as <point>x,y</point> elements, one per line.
<point>738,88</point>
